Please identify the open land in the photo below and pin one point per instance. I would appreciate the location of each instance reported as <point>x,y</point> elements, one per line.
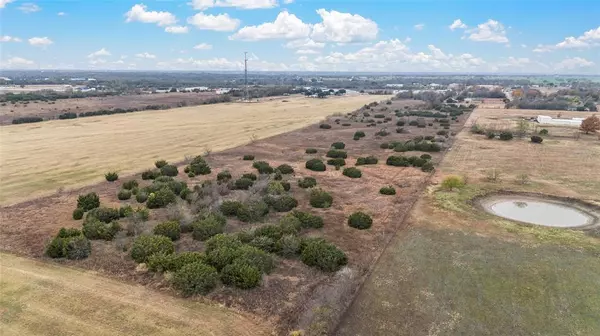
<point>51,109</point>
<point>39,298</point>
<point>457,270</point>
<point>37,159</point>
<point>293,295</point>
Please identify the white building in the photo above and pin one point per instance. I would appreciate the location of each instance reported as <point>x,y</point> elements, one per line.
<point>546,120</point>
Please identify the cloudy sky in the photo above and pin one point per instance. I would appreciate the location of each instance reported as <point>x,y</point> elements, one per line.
<point>509,36</point>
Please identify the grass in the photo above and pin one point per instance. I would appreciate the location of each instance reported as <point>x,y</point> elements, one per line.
<point>39,158</point>
<point>45,299</point>
<point>441,282</point>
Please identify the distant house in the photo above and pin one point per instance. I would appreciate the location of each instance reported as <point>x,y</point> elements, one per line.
<point>546,120</point>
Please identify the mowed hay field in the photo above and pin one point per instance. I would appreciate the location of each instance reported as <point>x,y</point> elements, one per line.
<point>457,270</point>
<point>43,299</point>
<point>38,159</point>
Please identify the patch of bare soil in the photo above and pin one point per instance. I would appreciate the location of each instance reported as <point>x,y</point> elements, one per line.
<point>294,295</point>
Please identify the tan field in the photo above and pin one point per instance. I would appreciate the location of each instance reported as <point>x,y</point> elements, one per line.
<point>37,159</point>
<point>44,299</point>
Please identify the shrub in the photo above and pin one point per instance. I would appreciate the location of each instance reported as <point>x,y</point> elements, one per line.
<point>315,165</point>
<point>248,157</point>
<point>163,262</point>
<point>240,274</point>
<point>382,132</point>
<point>145,246</point>
<point>263,243</point>
<point>275,188</point>
<point>243,183</point>
<point>336,162</point>
<point>389,190</point>
<point>125,211</point>
<point>150,174</point>
<point>311,151</point>
<point>543,131</point>
<point>141,197</point>
<point>285,203</point>
<point>222,256</point>
<point>307,182</point>
<point>286,185</point>
<point>360,220</point>
<point>366,160</point>
<point>352,172</point>
<point>252,211</point>
<point>124,194</point>
<point>356,138</point>
<point>88,202</point>
<point>111,176</point>
<point>161,198</point>
<point>400,130</point>
<point>442,132</point>
<point>70,244</point>
<point>335,153</point>
<point>506,135</point>
<point>400,123</point>
<point>130,185</point>
<point>425,157</point>
<point>262,167</point>
<point>78,213</point>
<point>169,170</point>
<point>104,214</point>
<point>206,228</point>
<point>285,169</point>
<point>320,198</point>
<point>224,176</point>
<point>322,254</point>
<point>536,139</point>
<point>199,169</point>
<point>230,208</point>
<point>452,182</point>
<point>169,229</point>
<point>338,145</point>
<point>397,161</point>
<point>428,167</point>
<point>256,257</point>
<point>288,246</point>
<point>490,134</point>
<point>160,163</point>
<point>195,278</point>
<point>325,126</point>
<point>308,220</point>
<point>96,229</point>
<point>346,124</point>
<point>384,145</point>
<point>413,123</point>
<point>359,134</point>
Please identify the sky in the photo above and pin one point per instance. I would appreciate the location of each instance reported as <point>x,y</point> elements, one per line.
<point>466,36</point>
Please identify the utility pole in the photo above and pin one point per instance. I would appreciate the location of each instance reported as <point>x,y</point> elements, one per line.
<point>246,76</point>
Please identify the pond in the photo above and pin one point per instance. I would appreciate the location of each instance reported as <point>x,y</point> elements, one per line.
<point>539,211</point>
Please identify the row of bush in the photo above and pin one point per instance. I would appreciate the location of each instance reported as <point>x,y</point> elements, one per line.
<point>415,161</point>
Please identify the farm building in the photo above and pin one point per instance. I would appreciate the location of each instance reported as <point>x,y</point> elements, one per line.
<point>546,120</point>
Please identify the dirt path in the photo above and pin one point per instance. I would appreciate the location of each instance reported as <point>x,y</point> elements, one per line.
<point>44,299</point>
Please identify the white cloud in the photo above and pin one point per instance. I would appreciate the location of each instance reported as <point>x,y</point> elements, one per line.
<point>61,13</point>
<point>489,31</point>
<point>302,59</point>
<point>203,46</point>
<point>3,3</point>
<point>457,24</point>
<point>514,62</point>
<point>343,28</point>
<point>287,2</point>
<point>6,38</point>
<point>177,29</point>
<point>220,22</point>
<point>145,55</point>
<point>139,13</point>
<point>307,51</point>
<point>523,45</point>
<point>304,44</point>
<point>419,26</point>
<point>590,38</point>
<point>285,26</point>
<point>29,8</point>
<point>16,63</point>
<point>574,63</point>
<point>242,4</point>
<point>407,40</point>
<point>101,52</point>
<point>40,41</point>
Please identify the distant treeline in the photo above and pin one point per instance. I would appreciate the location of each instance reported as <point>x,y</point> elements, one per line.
<point>49,95</point>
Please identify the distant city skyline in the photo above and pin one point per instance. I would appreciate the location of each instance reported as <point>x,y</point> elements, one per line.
<point>406,36</point>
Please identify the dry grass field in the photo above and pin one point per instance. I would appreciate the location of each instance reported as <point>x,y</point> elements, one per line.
<point>457,270</point>
<point>43,299</point>
<point>37,159</point>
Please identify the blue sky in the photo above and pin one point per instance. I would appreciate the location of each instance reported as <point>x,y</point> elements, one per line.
<point>533,36</point>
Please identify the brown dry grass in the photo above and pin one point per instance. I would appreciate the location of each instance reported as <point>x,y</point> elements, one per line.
<point>43,299</point>
<point>37,159</point>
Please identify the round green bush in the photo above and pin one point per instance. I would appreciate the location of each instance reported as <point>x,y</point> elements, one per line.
<point>366,160</point>
<point>352,172</point>
<point>543,131</point>
<point>248,157</point>
<point>506,135</point>
<point>169,229</point>
<point>169,170</point>
<point>207,228</point>
<point>536,139</point>
<point>163,262</point>
<point>428,167</point>
<point>150,174</point>
<point>360,220</point>
<point>111,176</point>
<point>359,134</point>
<point>490,134</point>
<point>70,244</point>
<point>315,165</point>
<point>384,145</point>
<point>275,188</point>
<point>96,229</point>
<point>243,183</point>
<point>160,163</point>
<point>241,275</point>
<point>256,257</point>
<point>250,176</point>
<point>124,194</point>
<point>389,190</point>
<point>325,126</point>
<point>288,246</point>
<point>78,213</point>
<point>308,220</point>
<point>311,151</point>
<point>224,176</point>
<point>263,167</point>
<point>263,243</point>
<point>78,247</point>
<point>400,123</point>
<point>141,197</point>
<point>307,182</point>
<point>325,256</point>
<point>320,198</point>
<point>230,208</point>
<point>336,153</point>
<point>125,211</point>
<point>286,185</point>
<point>130,185</point>
<point>339,162</point>
<point>338,145</point>
<point>285,203</point>
<point>161,198</point>
<point>145,246</point>
<point>88,202</point>
<point>195,278</point>
<point>252,211</point>
<point>104,214</point>
<point>425,157</point>
<point>199,169</point>
<point>397,161</point>
<point>285,169</point>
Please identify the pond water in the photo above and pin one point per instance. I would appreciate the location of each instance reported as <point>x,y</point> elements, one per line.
<point>537,211</point>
